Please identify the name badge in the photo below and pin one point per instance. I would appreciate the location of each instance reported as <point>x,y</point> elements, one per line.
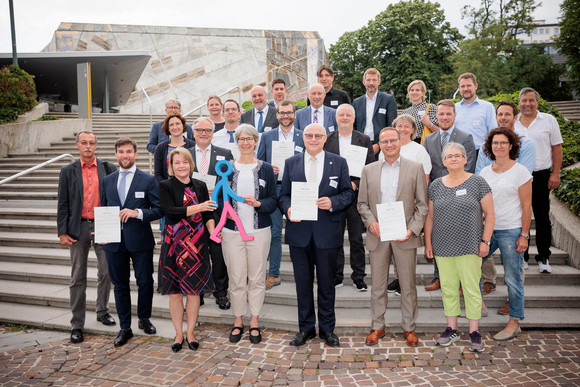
<point>477,123</point>
<point>263,183</point>
<point>331,128</point>
<point>298,148</point>
<point>267,128</point>
<point>461,192</point>
<point>333,103</point>
<point>382,111</point>
<point>333,177</point>
<point>333,183</point>
<point>139,195</point>
<point>220,158</point>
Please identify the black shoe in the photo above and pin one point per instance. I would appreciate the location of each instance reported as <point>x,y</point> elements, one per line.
<point>330,338</point>
<point>236,338</point>
<point>176,347</point>
<point>123,336</point>
<point>359,285</point>
<point>201,301</point>
<point>147,327</point>
<point>106,319</point>
<point>302,337</point>
<point>193,345</point>
<point>338,283</point>
<point>393,286</point>
<point>255,339</point>
<point>76,336</point>
<point>223,302</point>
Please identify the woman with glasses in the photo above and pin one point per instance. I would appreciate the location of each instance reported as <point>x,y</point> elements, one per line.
<point>511,187</point>
<point>253,180</point>
<point>457,237</point>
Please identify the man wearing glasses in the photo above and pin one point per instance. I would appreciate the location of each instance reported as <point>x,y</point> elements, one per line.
<point>157,136</point>
<point>316,243</point>
<point>225,138</point>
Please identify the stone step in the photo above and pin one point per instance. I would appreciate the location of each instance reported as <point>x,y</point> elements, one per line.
<point>30,187</point>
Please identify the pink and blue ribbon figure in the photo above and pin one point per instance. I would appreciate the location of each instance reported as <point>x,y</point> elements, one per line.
<point>227,192</point>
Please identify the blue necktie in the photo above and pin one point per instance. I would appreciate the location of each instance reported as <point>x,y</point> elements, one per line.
<point>231,135</point>
<point>122,185</point>
<point>260,122</point>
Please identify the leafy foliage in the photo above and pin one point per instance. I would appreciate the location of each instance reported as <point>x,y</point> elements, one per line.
<point>569,189</point>
<point>47,117</point>
<point>17,93</point>
<point>568,42</point>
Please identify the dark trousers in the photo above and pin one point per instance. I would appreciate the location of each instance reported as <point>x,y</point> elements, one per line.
<point>304,259</point>
<point>351,219</point>
<point>541,208</point>
<point>120,272</point>
<point>219,270</point>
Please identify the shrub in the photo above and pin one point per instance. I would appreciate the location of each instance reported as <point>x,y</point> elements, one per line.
<point>569,189</point>
<point>47,117</point>
<point>17,93</point>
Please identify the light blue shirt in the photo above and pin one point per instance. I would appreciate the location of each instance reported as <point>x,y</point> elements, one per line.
<point>477,119</point>
<point>527,156</point>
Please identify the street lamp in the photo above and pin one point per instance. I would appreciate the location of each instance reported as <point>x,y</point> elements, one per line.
<point>13,30</point>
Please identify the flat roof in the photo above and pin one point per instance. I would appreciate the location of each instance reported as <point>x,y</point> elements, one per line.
<point>55,73</point>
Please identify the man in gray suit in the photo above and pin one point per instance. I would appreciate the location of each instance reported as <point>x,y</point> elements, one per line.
<point>262,117</point>
<point>434,144</point>
<point>78,194</point>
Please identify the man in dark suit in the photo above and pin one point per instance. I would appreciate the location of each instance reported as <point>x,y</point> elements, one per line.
<point>78,194</point>
<point>262,117</point>
<point>316,243</point>
<point>375,109</point>
<point>136,194</point>
<point>316,113</point>
<point>434,144</point>
<point>156,135</point>
<point>283,133</point>
<point>205,156</point>
<point>338,143</point>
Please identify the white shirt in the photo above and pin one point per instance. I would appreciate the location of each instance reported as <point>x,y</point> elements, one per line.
<point>369,127</point>
<point>222,138</point>
<point>128,181</point>
<point>286,138</point>
<point>319,166</point>
<point>257,117</point>
<point>390,181</point>
<point>415,152</point>
<point>545,132</point>
<point>199,154</point>
<point>246,188</point>
<point>320,114</point>
<point>344,143</point>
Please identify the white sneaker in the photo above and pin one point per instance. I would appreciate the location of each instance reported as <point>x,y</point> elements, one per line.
<point>526,267</point>
<point>544,266</point>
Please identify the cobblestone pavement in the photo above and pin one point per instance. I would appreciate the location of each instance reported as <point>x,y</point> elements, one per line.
<point>535,358</point>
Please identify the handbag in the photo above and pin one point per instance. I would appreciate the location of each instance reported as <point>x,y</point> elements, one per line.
<point>426,130</point>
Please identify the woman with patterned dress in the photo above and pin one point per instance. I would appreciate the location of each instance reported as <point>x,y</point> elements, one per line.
<point>185,264</point>
<point>457,237</point>
<point>418,109</point>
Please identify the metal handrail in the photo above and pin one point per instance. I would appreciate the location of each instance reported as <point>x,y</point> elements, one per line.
<point>221,95</point>
<point>150,125</point>
<point>41,165</point>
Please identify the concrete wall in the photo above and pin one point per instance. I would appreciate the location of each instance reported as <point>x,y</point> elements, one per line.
<point>565,230</point>
<point>27,137</point>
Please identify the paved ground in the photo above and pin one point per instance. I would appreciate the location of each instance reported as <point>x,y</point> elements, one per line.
<point>536,358</point>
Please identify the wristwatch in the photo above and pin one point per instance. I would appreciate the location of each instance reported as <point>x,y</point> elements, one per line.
<point>525,236</point>
<point>486,242</point>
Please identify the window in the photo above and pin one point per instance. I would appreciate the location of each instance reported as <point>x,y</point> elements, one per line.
<point>556,30</point>
<point>541,31</point>
<point>535,31</point>
<point>547,30</point>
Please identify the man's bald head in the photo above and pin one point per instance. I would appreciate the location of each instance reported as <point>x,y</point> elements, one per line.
<point>314,138</point>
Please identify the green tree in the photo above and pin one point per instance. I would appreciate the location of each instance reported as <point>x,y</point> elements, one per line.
<point>568,42</point>
<point>409,40</point>
<point>17,93</point>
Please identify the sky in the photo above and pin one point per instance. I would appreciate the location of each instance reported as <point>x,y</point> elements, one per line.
<point>36,20</point>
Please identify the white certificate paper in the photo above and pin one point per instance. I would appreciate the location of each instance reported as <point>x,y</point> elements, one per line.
<point>356,156</point>
<point>281,150</point>
<point>107,225</point>
<point>303,201</point>
<point>209,180</point>
<point>392,222</point>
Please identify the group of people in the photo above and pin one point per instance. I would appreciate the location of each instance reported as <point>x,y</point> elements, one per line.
<point>466,175</point>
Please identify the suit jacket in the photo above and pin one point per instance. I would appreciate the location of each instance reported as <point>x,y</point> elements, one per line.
<point>157,136</point>
<point>432,144</point>
<point>359,139</point>
<point>270,121</point>
<point>383,116</point>
<point>411,190</point>
<point>304,118</point>
<point>71,194</point>
<point>265,147</point>
<point>327,230</point>
<point>217,154</point>
<point>171,199</point>
<point>137,234</point>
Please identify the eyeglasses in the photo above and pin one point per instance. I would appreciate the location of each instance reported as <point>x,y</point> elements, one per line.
<point>231,110</point>
<point>285,113</point>
<point>172,107</point>
<point>245,139</point>
<point>391,141</point>
<point>208,131</point>
<point>453,157</point>
<point>309,136</point>
<point>500,143</point>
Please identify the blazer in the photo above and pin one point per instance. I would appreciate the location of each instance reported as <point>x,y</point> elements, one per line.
<point>137,234</point>
<point>265,147</point>
<point>327,231</point>
<point>71,195</point>
<point>304,118</point>
<point>157,136</point>
<point>270,121</point>
<point>217,154</point>
<point>160,159</point>
<point>171,199</point>
<point>360,139</point>
<point>411,190</point>
<point>432,144</point>
<point>383,116</point>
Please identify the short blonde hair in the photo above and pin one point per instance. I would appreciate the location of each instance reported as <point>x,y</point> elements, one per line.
<point>420,83</point>
<point>183,153</point>
<point>409,118</point>
<point>372,71</point>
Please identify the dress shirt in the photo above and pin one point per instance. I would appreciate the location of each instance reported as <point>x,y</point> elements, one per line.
<point>369,127</point>
<point>257,117</point>
<point>286,138</point>
<point>320,115</point>
<point>448,131</point>
<point>390,181</point>
<point>222,138</point>
<point>91,193</point>
<point>477,119</point>
<point>344,143</point>
<point>319,166</point>
<point>128,181</point>
<point>545,132</point>
<point>199,155</point>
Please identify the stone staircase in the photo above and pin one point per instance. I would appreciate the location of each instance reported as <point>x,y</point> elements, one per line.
<point>569,109</point>
<point>35,268</point>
